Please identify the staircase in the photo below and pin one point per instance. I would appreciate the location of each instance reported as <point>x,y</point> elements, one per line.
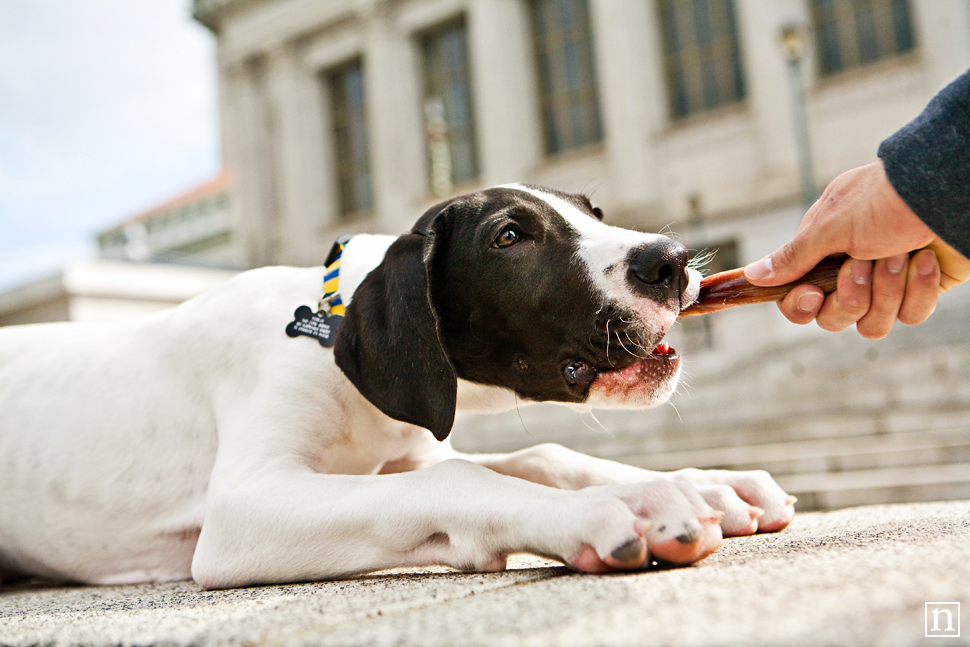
<point>837,420</point>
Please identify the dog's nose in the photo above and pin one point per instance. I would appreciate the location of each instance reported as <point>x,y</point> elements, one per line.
<point>659,271</point>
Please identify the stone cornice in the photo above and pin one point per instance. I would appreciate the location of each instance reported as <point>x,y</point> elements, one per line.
<point>210,12</point>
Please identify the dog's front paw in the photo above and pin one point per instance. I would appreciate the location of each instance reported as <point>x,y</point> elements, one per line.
<point>674,524</point>
<point>751,501</point>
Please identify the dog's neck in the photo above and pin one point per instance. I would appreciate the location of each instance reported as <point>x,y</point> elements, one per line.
<point>365,252</point>
<point>362,254</point>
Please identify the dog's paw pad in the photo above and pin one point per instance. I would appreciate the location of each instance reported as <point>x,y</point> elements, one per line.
<point>587,561</point>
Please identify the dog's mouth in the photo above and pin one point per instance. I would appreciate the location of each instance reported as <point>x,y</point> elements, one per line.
<point>644,382</point>
<point>624,367</point>
<point>665,351</point>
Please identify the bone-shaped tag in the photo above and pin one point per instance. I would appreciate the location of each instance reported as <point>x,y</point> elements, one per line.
<point>318,325</point>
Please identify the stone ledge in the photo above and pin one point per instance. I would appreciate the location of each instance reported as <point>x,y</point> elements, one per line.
<point>858,576</point>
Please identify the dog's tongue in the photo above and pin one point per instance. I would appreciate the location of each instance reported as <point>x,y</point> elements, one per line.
<point>662,349</point>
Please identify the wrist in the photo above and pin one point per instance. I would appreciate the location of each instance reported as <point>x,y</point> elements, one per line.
<point>910,231</point>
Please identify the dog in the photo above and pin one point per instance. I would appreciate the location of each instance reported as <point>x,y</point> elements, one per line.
<point>220,441</point>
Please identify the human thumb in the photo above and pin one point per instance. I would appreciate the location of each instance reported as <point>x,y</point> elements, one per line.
<point>954,266</point>
<point>787,263</point>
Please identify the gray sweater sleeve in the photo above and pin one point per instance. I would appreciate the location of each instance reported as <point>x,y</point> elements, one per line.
<point>928,163</point>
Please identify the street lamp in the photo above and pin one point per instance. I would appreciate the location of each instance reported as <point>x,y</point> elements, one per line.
<point>792,40</point>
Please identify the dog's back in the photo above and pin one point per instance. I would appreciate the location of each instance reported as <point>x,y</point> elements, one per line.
<point>104,423</point>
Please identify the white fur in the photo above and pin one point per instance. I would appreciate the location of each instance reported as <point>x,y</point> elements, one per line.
<point>204,442</point>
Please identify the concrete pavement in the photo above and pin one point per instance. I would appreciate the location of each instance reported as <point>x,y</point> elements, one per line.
<point>859,576</point>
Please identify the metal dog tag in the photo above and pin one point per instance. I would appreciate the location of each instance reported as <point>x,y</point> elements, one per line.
<point>319,325</point>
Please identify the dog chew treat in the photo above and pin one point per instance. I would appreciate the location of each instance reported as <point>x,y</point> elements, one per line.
<point>729,289</point>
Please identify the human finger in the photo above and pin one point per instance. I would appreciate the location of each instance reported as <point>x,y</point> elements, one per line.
<point>802,304</point>
<point>954,266</point>
<point>888,290</point>
<point>790,261</point>
<point>850,301</point>
<point>922,288</point>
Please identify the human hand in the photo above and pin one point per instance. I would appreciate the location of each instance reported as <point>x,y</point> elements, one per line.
<point>862,215</point>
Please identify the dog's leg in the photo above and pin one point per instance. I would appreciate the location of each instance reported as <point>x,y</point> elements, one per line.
<point>751,501</point>
<point>285,523</point>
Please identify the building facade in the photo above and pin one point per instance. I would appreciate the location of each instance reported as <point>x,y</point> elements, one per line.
<point>106,290</point>
<point>671,113</point>
<point>344,116</point>
<point>147,263</point>
<point>193,227</point>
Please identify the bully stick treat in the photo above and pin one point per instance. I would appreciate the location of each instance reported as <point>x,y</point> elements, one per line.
<point>729,289</point>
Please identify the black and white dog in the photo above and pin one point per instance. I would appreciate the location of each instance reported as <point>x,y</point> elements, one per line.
<point>205,442</point>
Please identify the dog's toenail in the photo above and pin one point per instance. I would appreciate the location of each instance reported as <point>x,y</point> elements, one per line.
<point>627,552</point>
<point>689,536</point>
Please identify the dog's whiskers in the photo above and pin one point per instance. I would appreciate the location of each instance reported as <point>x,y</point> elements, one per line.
<point>625,348</point>
<point>608,361</point>
<point>638,345</point>
<point>516,396</point>
<point>702,258</point>
<point>676,410</point>
<point>592,414</point>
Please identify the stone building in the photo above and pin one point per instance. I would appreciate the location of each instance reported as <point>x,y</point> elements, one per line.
<point>343,116</point>
<point>193,227</point>
<point>103,289</point>
<point>147,263</point>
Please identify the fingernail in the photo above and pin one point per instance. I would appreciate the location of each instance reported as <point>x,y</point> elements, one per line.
<point>895,263</point>
<point>861,272</point>
<point>809,302</point>
<point>759,269</point>
<point>926,263</point>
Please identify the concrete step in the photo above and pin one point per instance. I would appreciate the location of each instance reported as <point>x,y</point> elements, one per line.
<point>822,455</point>
<point>826,490</point>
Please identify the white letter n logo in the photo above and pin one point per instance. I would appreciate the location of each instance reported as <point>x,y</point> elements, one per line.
<point>946,614</point>
<point>936,619</point>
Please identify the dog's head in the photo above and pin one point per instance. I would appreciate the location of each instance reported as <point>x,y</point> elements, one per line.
<point>519,287</point>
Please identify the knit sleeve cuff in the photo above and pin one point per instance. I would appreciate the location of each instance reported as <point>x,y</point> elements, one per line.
<point>928,163</point>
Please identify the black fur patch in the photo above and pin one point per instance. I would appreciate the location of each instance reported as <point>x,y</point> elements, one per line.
<point>448,303</point>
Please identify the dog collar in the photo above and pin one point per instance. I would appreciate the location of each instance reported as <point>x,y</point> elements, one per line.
<point>330,302</point>
<point>322,324</point>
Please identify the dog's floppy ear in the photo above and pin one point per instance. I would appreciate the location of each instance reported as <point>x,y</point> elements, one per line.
<point>389,345</point>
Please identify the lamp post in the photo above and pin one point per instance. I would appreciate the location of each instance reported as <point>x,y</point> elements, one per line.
<point>792,39</point>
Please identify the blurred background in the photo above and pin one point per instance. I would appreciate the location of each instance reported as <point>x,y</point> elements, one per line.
<point>714,120</point>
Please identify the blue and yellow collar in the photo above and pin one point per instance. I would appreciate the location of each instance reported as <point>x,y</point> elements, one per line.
<point>330,302</point>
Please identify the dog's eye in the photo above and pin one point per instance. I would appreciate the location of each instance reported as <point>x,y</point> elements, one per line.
<point>598,213</point>
<point>508,237</point>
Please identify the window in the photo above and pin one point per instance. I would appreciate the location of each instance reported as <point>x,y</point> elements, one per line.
<point>702,59</point>
<point>346,85</point>
<point>448,113</point>
<point>851,33</point>
<point>568,97</point>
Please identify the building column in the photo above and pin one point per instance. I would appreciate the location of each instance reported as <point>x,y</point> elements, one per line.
<point>768,95</point>
<point>504,89</point>
<point>247,113</point>
<point>632,95</point>
<point>393,120</point>
<point>297,152</point>
<point>942,31</point>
